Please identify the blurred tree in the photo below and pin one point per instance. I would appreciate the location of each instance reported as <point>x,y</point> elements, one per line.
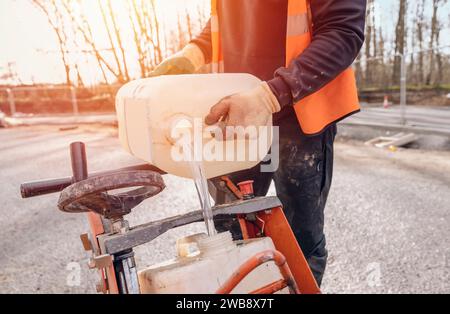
<point>400,40</point>
<point>111,41</point>
<point>74,28</point>
<point>369,42</point>
<point>420,29</point>
<point>435,56</point>
<point>118,38</point>
<point>54,17</point>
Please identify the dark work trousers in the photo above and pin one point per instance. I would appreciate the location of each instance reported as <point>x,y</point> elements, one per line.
<point>302,183</point>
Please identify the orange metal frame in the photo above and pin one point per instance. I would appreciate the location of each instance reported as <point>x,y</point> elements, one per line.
<point>273,223</point>
<point>108,276</point>
<point>270,223</point>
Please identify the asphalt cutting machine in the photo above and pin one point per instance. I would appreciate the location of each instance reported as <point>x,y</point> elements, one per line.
<point>111,239</point>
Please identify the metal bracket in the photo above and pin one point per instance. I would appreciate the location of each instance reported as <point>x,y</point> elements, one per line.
<point>87,245</point>
<point>101,261</point>
<point>116,243</point>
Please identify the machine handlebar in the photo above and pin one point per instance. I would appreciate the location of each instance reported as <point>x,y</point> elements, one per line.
<point>37,188</point>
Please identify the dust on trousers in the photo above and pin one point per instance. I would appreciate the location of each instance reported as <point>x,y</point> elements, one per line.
<point>302,182</point>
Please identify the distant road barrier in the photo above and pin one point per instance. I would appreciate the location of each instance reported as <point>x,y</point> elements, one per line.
<point>11,99</point>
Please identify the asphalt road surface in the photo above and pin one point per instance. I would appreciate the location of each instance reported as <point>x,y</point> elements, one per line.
<point>426,118</point>
<point>388,216</point>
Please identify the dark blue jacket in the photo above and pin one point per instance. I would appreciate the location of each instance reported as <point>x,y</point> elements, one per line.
<point>254,38</point>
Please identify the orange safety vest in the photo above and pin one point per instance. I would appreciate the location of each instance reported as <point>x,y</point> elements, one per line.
<point>335,101</point>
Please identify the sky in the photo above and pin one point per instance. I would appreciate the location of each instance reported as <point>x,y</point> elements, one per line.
<point>27,40</point>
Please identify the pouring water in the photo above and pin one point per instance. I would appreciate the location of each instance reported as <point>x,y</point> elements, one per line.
<point>201,185</point>
<point>203,194</point>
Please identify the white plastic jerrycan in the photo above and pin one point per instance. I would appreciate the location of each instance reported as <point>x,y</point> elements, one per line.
<point>161,121</point>
<point>206,269</point>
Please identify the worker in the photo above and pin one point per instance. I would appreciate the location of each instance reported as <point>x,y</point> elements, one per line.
<point>302,51</point>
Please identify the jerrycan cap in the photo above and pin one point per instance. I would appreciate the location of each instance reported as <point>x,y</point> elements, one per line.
<point>216,244</point>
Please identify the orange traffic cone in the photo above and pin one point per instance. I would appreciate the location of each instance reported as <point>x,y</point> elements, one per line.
<point>386,102</point>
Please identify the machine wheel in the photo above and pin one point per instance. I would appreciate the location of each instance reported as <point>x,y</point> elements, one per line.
<point>93,194</point>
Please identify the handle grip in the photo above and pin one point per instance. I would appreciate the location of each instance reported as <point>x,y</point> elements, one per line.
<point>37,188</point>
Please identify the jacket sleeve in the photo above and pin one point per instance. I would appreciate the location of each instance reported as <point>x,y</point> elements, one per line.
<point>203,41</point>
<point>338,35</point>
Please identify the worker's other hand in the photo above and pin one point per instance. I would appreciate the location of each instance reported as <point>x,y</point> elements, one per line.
<point>187,61</point>
<point>251,108</point>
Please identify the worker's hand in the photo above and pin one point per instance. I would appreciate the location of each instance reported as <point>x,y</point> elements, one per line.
<point>187,61</point>
<point>252,108</point>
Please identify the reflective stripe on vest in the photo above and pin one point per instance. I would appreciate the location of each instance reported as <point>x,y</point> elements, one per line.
<point>217,57</point>
<point>333,102</point>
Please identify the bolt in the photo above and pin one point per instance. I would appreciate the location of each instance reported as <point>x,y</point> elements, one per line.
<point>250,217</point>
<point>119,226</point>
<point>91,263</point>
<point>100,287</point>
